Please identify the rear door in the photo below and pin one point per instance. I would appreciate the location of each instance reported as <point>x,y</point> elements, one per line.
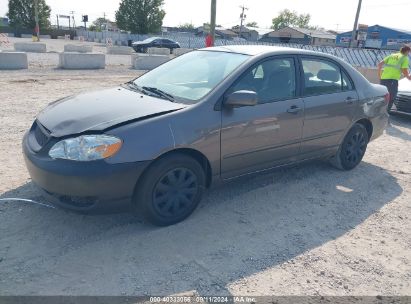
<point>330,100</point>
<point>262,136</point>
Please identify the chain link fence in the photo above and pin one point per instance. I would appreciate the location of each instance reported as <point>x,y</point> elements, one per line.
<point>356,57</point>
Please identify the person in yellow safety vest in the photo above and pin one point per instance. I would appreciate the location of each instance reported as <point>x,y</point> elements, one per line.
<point>390,70</point>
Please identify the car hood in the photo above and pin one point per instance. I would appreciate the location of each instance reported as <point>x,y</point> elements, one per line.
<point>404,85</point>
<point>96,111</point>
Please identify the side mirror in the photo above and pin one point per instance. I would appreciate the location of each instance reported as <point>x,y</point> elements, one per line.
<point>241,99</point>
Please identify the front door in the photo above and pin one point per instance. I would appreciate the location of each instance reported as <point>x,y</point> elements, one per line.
<point>259,137</point>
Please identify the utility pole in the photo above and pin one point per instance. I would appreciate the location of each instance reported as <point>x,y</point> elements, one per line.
<point>74,21</point>
<point>213,19</point>
<point>242,17</point>
<point>357,16</point>
<point>36,18</point>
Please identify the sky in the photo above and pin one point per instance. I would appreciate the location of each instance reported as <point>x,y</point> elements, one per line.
<point>330,14</point>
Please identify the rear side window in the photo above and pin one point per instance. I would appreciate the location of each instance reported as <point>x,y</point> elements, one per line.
<point>346,82</point>
<point>324,77</point>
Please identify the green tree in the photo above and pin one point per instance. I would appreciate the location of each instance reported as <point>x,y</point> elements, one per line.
<point>140,16</point>
<point>252,24</point>
<point>291,18</point>
<point>21,14</point>
<point>186,26</point>
<point>98,24</point>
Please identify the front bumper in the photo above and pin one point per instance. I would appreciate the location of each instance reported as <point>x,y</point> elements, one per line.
<point>138,48</point>
<point>403,103</point>
<point>82,186</point>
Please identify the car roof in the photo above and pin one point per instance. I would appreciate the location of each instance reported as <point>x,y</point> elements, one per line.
<point>254,50</point>
<point>151,38</point>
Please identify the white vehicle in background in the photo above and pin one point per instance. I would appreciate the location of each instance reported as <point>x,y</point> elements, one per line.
<point>403,100</point>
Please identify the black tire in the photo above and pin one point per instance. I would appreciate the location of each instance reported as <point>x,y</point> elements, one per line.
<point>170,190</point>
<point>352,149</point>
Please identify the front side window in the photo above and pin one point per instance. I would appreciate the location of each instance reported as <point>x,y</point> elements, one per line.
<point>272,80</point>
<point>190,77</point>
<point>323,77</point>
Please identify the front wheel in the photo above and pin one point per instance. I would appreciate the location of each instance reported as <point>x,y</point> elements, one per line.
<point>170,190</point>
<point>352,149</point>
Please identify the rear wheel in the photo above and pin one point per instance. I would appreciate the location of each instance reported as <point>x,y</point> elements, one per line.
<point>352,149</point>
<point>171,189</point>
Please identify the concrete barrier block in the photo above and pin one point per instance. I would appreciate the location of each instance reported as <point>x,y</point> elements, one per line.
<point>119,50</point>
<point>61,37</point>
<point>13,61</point>
<point>149,62</point>
<point>26,35</point>
<point>181,51</point>
<point>45,37</point>
<point>32,47</point>
<point>82,61</point>
<point>78,48</point>
<point>134,56</point>
<point>158,51</point>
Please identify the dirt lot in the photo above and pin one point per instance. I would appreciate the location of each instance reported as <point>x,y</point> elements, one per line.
<point>307,230</point>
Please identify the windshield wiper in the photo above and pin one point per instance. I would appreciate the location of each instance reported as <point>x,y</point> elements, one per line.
<point>135,87</point>
<point>151,91</point>
<point>159,93</point>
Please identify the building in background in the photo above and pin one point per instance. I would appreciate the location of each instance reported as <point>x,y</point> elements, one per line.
<point>246,33</point>
<point>261,31</point>
<point>377,37</point>
<point>300,36</point>
<point>110,26</point>
<point>4,21</point>
<point>220,32</point>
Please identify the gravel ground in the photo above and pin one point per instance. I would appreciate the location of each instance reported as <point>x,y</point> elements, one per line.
<point>306,230</point>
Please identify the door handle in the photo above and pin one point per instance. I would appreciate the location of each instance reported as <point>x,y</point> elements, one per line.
<point>293,109</point>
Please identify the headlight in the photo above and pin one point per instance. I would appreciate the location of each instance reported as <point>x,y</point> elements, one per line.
<point>86,147</point>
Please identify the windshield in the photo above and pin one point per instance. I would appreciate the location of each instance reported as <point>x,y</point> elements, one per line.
<point>192,76</point>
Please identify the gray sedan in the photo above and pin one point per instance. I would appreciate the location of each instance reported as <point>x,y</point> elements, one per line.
<point>208,116</point>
